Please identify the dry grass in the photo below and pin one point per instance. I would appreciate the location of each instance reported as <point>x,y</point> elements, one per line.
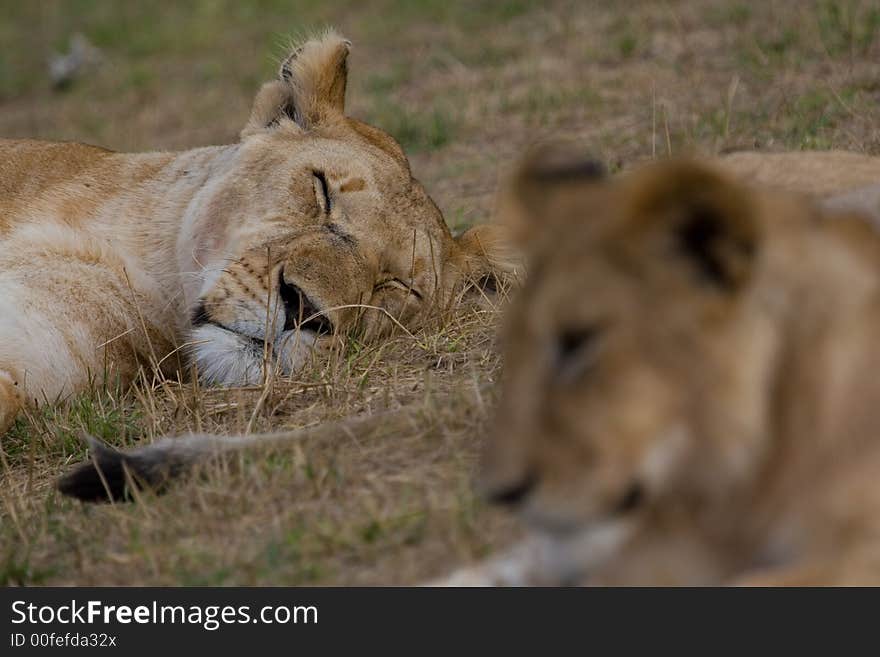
<point>373,502</point>
<point>465,86</point>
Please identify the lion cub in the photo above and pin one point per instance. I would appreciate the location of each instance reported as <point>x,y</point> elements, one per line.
<point>691,391</point>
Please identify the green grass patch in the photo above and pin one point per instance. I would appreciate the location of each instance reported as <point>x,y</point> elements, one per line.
<point>847,27</point>
<point>57,430</point>
<point>416,130</point>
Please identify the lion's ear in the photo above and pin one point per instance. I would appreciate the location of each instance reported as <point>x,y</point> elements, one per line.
<point>487,256</point>
<point>310,88</point>
<point>708,221</point>
<point>543,187</point>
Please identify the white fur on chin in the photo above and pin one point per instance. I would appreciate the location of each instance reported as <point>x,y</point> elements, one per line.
<point>226,358</point>
<point>545,560</point>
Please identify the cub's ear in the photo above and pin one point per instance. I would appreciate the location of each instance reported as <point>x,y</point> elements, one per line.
<point>546,188</point>
<point>487,257</point>
<point>310,88</point>
<point>710,222</point>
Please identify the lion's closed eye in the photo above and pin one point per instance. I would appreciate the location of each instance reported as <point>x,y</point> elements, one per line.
<point>322,192</point>
<point>398,284</point>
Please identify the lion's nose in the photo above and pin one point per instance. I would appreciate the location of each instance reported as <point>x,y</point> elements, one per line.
<point>301,312</point>
<point>512,494</point>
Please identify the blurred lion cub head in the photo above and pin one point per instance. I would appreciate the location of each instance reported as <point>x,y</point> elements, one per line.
<point>683,341</point>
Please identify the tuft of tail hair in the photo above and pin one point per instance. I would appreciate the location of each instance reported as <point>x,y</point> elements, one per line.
<point>114,475</point>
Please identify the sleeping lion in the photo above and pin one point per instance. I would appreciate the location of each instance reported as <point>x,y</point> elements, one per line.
<point>691,392</point>
<point>232,258</point>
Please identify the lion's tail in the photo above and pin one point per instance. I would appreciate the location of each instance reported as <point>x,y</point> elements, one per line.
<point>113,475</point>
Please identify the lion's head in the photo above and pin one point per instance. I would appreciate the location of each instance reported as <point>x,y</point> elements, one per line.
<point>316,226</point>
<point>640,352</point>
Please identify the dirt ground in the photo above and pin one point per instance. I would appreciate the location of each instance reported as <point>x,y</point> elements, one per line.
<point>465,87</point>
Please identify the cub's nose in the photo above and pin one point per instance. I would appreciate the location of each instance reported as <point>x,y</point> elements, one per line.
<point>299,311</point>
<point>513,493</point>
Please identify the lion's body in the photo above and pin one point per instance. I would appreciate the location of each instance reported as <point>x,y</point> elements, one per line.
<point>691,391</point>
<point>817,173</point>
<point>87,244</point>
<point>841,180</point>
<point>232,258</point>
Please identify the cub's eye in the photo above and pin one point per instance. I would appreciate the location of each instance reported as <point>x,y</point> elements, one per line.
<point>398,284</point>
<point>632,498</point>
<point>577,349</point>
<point>322,191</point>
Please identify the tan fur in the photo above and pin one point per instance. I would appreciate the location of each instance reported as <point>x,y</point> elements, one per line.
<point>111,262</point>
<point>817,173</point>
<point>691,377</point>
